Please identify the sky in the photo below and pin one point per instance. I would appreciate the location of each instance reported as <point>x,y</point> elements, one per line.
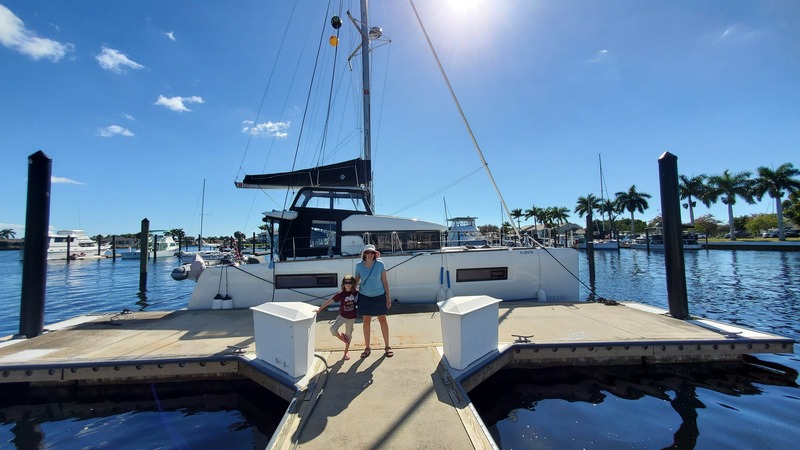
<point>139,103</point>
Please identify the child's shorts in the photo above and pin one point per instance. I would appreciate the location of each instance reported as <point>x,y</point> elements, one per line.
<point>348,326</point>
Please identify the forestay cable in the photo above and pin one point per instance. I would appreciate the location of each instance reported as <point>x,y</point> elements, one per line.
<point>464,117</point>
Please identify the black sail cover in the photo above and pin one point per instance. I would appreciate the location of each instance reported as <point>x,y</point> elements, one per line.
<point>355,173</point>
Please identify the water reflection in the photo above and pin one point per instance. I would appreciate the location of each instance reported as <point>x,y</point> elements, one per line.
<point>653,406</point>
<point>229,414</point>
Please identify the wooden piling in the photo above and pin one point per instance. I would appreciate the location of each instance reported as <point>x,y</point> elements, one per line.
<point>145,234</point>
<point>34,266</point>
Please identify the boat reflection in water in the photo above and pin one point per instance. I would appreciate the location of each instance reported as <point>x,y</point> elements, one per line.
<point>708,405</point>
<point>219,414</point>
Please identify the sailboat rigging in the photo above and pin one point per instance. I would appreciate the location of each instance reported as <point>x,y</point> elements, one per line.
<point>320,236</point>
<point>603,243</point>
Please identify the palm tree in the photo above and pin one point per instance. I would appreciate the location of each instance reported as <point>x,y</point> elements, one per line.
<point>727,187</point>
<point>180,234</point>
<point>506,228</point>
<point>516,214</point>
<point>560,214</point>
<point>586,205</point>
<point>7,233</point>
<point>775,183</point>
<point>532,212</point>
<point>609,207</point>
<point>632,201</point>
<point>691,189</point>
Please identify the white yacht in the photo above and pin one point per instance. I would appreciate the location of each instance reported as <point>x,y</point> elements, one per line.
<point>163,247</point>
<point>79,243</point>
<point>463,231</point>
<point>656,242</point>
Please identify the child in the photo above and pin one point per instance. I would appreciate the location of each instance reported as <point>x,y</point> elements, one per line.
<point>346,298</point>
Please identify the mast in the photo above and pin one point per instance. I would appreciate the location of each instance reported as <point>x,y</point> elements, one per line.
<point>602,200</point>
<point>366,98</point>
<point>202,211</point>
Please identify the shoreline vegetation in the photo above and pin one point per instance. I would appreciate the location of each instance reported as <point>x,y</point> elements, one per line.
<point>714,243</point>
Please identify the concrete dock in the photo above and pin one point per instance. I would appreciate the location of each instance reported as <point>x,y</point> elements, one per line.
<point>413,400</point>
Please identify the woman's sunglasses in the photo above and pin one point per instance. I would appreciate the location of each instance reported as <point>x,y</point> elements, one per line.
<point>348,282</point>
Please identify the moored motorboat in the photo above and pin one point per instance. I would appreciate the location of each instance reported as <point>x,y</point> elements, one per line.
<point>463,231</point>
<point>163,247</point>
<point>79,243</point>
<point>656,242</point>
<point>600,244</point>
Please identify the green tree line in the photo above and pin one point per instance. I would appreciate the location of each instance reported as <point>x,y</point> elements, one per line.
<point>781,185</point>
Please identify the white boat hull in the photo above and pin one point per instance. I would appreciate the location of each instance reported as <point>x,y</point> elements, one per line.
<point>81,246</point>
<point>136,254</point>
<point>601,245</point>
<point>412,278</point>
<point>660,247</point>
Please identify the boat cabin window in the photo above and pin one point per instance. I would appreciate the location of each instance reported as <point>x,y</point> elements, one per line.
<point>342,200</point>
<point>405,241</point>
<point>323,233</point>
<point>311,280</point>
<point>482,274</point>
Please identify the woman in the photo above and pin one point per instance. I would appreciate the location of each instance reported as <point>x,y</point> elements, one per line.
<point>373,296</point>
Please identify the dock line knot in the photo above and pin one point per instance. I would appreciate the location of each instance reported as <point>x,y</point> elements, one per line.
<point>117,316</point>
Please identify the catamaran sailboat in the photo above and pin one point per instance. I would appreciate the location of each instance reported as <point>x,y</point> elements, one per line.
<point>319,238</point>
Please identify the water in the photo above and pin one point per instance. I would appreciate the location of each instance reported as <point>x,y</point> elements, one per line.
<point>92,286</point>
<point>696,406</point>
<point>704,406</point>
<point>160,415</point>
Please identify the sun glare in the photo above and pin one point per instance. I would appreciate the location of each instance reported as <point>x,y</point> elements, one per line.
<point>464,6</point>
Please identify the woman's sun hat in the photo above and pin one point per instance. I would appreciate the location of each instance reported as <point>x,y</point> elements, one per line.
<point>368,248</point>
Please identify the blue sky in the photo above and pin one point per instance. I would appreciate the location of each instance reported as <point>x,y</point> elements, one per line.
<point>138,102</point>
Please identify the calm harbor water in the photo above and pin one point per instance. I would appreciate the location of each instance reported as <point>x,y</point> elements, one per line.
<point>697,406</point>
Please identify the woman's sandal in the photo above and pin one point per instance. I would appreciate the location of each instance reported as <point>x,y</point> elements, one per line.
<point>388,352</point>
<point>366,353</point>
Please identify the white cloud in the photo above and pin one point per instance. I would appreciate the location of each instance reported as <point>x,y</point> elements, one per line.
<point>115,61</point>
<point>171,35</point>
<point>114,130</point>
<point>62,180</point>
<point>600,56</point>
<point>274,129</point>
<point>736,33</point>
<point>15,36</point>
<point>177,103</point>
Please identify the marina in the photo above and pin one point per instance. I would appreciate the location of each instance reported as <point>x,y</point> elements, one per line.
<point>759,306</point>
<point>190,345</point>
<point>492,345</point>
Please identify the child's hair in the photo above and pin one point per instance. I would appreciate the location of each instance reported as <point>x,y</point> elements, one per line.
<point>349,277</point>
